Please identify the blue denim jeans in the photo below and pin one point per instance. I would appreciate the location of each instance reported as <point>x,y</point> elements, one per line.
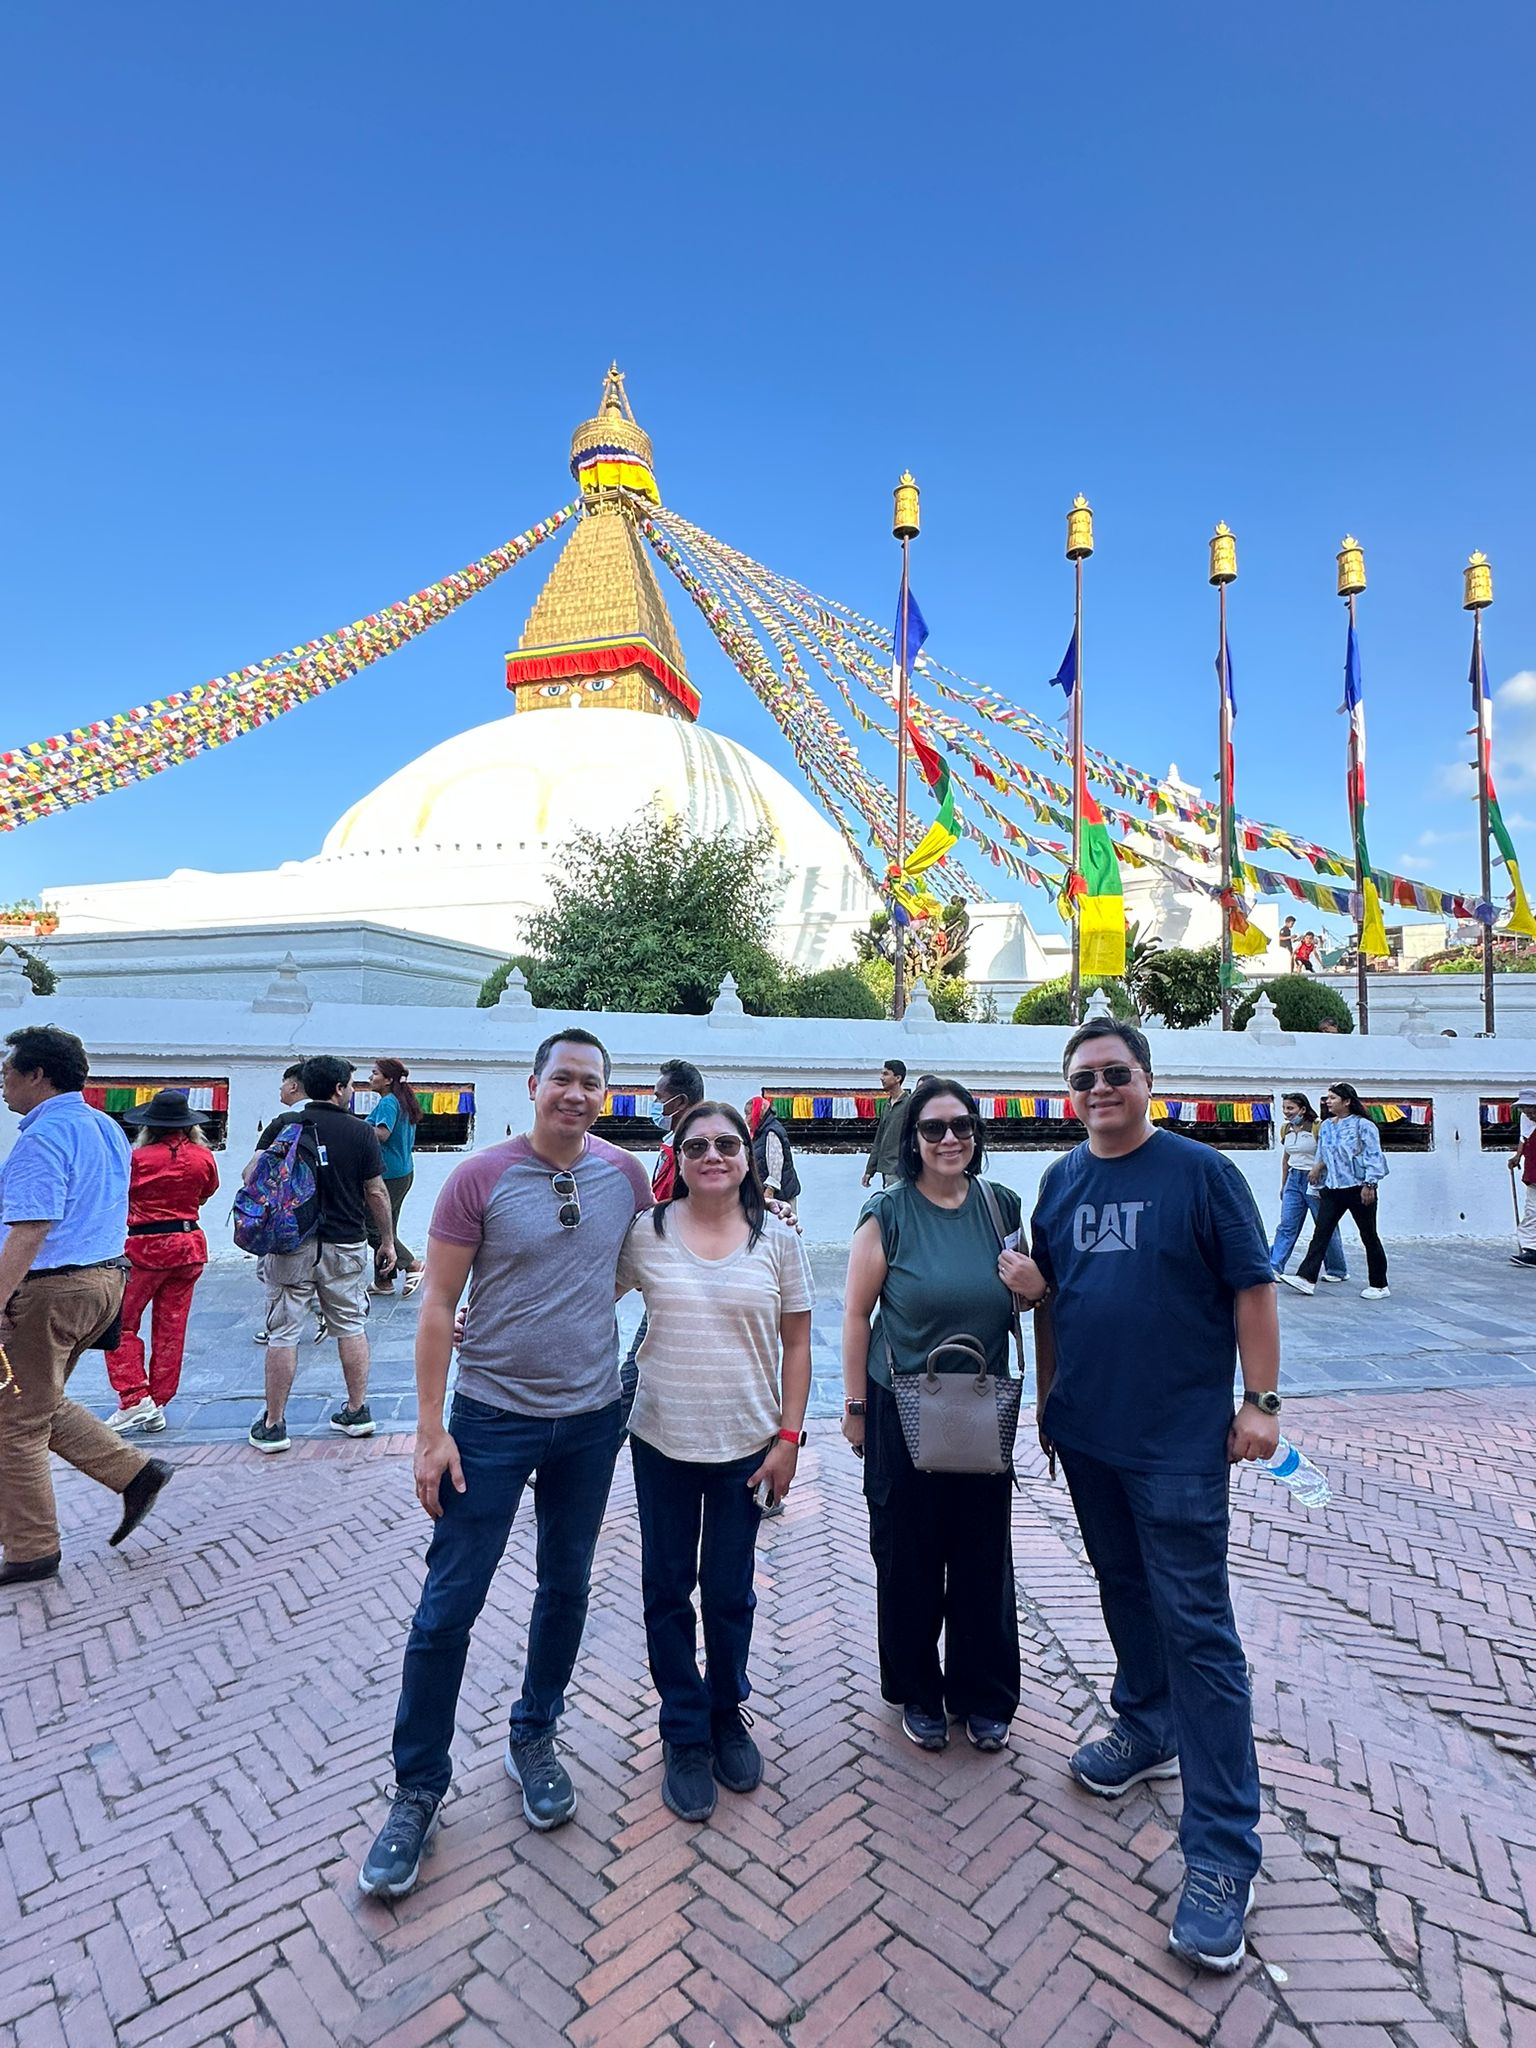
<point>573,1457</point>
<point>698,1527</point>
<point>1157,1542</point>
<point>1298,1199</point>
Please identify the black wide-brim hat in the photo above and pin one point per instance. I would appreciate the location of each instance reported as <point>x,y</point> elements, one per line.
<point>167,1111</point>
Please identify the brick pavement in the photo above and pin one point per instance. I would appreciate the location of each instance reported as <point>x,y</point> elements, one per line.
<point>195,1737</point>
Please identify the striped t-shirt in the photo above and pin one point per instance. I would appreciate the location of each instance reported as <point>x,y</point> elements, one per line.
<point>709,1366</point>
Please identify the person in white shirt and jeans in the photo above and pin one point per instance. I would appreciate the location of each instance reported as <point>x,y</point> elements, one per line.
<point>1350,1168</point>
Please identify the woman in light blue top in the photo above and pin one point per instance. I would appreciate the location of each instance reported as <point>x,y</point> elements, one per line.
<point>1298,1197</point>
<point>1350,1167</point>
<point>395,1116</point>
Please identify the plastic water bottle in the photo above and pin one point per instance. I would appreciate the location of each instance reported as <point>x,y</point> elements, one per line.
<point>1295,1470</point>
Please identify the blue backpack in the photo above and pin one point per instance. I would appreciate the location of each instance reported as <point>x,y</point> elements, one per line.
<point>278,1209</point>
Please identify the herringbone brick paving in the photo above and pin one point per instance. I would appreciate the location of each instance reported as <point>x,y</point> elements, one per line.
<point>195,1739</point>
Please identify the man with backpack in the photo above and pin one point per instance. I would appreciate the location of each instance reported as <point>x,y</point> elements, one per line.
<point>305,1206</point>
<point>290,1093</point>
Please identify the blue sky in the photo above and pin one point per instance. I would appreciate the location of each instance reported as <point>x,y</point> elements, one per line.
<point>305,302</point>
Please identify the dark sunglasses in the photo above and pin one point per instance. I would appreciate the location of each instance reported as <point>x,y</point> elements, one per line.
<point>695,1148</point>
<point>1082,1082</point>
<point>936,1128</point>
<point>564,1185</point>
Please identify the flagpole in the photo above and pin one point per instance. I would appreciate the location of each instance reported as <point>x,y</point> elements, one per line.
<point>904,526</point>
<point>1477,595</point>
<point>1351,561</point>
<point>1223,572</point>
<point>1079,548</point>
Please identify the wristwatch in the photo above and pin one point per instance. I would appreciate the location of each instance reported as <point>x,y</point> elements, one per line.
<point>853,1407</point>
<point>791,1436</point>
<point>1267,1404</point>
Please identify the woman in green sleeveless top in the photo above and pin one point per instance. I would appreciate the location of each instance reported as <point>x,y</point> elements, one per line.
<point>925,1255</point>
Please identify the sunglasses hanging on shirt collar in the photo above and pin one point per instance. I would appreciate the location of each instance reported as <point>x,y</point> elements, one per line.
<point>567,1195</point>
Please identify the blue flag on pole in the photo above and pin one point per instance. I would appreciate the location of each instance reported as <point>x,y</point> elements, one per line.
<point>917,633</point>
<point>1065,678</point>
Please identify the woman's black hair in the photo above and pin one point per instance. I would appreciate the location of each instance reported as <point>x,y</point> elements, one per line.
<point>398,1075</point>
<point>753,1202</point>
<point>1295,1095</point>
<point>909,1160</point>
<point>1356,1106</point>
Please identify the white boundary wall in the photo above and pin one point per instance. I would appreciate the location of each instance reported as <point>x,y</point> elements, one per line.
<point>1455,1190</point>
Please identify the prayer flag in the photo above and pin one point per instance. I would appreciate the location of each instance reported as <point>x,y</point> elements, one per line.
<point>1520,918</point>
<point>1373,933</point>
<point>1097,901</point>
<point>1065,678</point>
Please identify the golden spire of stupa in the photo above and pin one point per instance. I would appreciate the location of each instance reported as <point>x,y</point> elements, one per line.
<point>600,632</point>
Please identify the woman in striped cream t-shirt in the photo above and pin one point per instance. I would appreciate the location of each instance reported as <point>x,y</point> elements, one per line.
<point>725,1375</point>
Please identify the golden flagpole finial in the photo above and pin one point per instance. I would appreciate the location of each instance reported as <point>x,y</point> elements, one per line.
<point>1351,560</point>
<point>1223,554</point>
<point>1477,582</point>
<point>908,519</point>
<point>1079,530</point>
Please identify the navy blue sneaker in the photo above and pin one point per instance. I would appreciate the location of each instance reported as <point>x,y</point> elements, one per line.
<point>984,1734</point>
<point>928,1731</point>
<point>1208,1927</point>
<point>393,1864</point>
<point>1116,1762</point>
<point>549,1797</point>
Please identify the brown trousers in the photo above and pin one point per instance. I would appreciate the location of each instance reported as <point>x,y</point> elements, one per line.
<point>53,1318</point>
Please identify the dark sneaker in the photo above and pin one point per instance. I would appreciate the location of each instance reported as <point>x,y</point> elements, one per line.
<point>738,1762</point>
<point>354,1421</point>
<point>1118,1761</point>
<point>984,1734</point>
<point>268,1436</point>
<point>322,1329</point>
<point>260,1336</point>
<point>549,1797</point>
<point>29,1573</point>
<point>1522,1258</point>
<point>928,1731</point>
<point>393,1864</point>
<point>687,1784</point>
<point>139,1497</point>
<point>1208,1927</point>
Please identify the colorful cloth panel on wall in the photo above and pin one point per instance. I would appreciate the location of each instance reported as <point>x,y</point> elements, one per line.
<point>600,658</point>
<point>1494,1113</point>
<point>434,1101</point>
<point>614,469</point>
<point>1401,1112</point>
<point>116,1096</point>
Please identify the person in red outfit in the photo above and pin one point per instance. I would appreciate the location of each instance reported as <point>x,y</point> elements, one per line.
<point>172,1175</point>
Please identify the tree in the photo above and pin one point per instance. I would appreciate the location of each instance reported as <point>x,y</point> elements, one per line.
<point>1051,1002</point>
<point>654,915</point>
<point>1141,958</point>
<point>1301,1004</point>
<point>493,984</point>
<point>1183,986</point>
<point>833,992</point>
<point>951,997</point>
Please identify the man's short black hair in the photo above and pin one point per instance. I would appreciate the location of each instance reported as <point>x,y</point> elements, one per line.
<point>575,1036</point>
<point>57,1055</point>
<point>896,1067</point>
<point>1134,1041</point>
<point>323,1073</point>
<point>682,1079</point>
<point>295,1072</point>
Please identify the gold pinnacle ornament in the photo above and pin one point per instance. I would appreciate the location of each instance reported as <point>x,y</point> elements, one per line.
<point>1351,567</point>
<point>1477,579</point>
<point>908,520</point>
<point>1079,530</point>
<point>1223,554</point>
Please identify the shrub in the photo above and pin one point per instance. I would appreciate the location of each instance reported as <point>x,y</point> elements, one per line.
<point>1301,1004</point>
<point>497,979</point>
<point>1183,986</point>
<point>1051,1002</point>
<point>833,992</point>
<point>951,997</point>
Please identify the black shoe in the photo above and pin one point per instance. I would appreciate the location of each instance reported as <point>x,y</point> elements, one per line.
<point>322,1329</point>
<point>268,1436</point>
<point>393,1864</point>
<point>139,1497</point>
<point>356,1421</point>
<point>1522,1258</point>
<point>29,1573</point>
<point>738,1762</point>
<point>549,1797</point>
<point>984,1734</point>
<point>928,1731</point>
<point>687,1785</point>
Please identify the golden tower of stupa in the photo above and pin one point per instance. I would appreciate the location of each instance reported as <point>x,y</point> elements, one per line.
<point>600,632</point>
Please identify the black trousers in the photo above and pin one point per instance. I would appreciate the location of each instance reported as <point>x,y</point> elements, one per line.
<point>943,1549</point>
<point>1333,1205</point>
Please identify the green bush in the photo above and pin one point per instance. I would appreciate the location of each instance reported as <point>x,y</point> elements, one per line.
<point>1051,1002</point>
<point>951,997</point>
<point>497,979</point>
<point>1183,986</point>
<point>1301,1004</point>
<point>833,992</point>
<point>1469,960</point>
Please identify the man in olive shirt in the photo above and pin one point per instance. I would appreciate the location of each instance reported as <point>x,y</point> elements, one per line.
<point>886,1150</point>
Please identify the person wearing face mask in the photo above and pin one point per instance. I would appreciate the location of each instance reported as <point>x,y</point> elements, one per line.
<point>679,1085</point>
<point>1298,1197</point>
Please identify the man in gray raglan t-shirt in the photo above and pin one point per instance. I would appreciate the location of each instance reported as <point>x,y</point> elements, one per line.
<point>535,1225</point>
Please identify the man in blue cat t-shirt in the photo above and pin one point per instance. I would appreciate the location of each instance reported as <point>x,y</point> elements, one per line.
<point>1160,1280</point>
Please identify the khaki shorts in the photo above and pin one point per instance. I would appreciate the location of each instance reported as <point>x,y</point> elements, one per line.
<point>333,1276</point>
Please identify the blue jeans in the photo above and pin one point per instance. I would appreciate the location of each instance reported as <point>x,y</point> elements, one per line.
<point>698,1527</point>
<point>1157,1542</point>
<point>574,1457</point>
<point>1298,1198</point>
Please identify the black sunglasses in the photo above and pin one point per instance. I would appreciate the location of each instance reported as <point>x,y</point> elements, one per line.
<point>695,1148</point>
<point>936,1128</point>
<point>1086,1077</point>
<point>566,1194</point>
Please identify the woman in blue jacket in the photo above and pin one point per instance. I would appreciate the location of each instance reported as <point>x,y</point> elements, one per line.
<point>395,1116</point>
<point>1350,1168</point>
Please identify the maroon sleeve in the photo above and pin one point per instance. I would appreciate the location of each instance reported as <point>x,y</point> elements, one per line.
<point>632,1170</point>
<point>459,1217</point>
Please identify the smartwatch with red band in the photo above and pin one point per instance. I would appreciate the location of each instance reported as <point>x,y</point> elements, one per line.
<point>792,1436</point>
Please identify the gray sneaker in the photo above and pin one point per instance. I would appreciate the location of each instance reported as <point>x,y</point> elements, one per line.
<point>549,1797</point>
<point>393,1864</point>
